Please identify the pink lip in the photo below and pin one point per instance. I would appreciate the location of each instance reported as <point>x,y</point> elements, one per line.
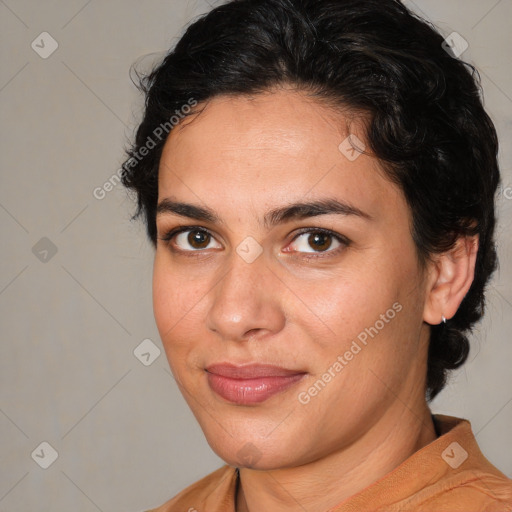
<point>250,384</point>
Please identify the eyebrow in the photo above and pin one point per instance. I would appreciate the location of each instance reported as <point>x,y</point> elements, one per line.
<point>294,211</point>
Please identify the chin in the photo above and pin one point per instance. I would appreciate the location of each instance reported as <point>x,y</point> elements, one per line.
<point>254,453</point>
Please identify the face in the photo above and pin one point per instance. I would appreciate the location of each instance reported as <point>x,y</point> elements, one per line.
<point>287,289</point>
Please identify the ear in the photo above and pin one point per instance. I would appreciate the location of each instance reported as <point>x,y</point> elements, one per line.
<point>449,278</point>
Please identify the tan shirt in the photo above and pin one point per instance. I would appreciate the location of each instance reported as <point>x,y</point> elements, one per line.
<point>448,475</point>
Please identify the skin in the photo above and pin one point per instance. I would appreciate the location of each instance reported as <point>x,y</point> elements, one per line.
<point>241,157</point>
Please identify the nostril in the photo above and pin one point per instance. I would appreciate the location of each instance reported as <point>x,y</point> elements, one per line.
<point>252,332</point>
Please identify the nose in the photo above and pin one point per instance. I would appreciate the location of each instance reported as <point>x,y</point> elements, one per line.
<point>246,301</point>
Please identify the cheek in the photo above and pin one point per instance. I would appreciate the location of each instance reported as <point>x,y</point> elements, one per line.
<point>163,297</point>
<point>376,307</point>
<point>171,299</point>
<point>172,287</point>
<point>354,302</point>
<point>170,319</point>
<point>178,307</point>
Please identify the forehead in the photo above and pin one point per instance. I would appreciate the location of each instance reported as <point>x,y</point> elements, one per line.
<point>283,123</point>
<point>263,149</point>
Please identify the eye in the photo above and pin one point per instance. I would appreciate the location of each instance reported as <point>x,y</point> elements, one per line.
<point>190,239</point>
<point>309,240</point>
<point>318,241</point>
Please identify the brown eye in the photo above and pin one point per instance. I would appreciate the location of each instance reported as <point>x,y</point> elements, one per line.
<point>320,241</point>
<point>198,239</point>
<point>189,240</point>
<point>317,241</point>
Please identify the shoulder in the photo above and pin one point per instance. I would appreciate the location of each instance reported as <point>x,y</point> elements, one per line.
<point>471,490</point>
<point>215,491</point>
<point>467,481</point>
<point>448,475</point>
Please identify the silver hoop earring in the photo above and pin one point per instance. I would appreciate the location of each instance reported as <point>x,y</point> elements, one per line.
<point>443,319</point>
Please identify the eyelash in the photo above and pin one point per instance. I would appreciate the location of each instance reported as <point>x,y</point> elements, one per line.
<point>345,242</point>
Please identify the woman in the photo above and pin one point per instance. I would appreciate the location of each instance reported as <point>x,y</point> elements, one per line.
<point>318,180</point>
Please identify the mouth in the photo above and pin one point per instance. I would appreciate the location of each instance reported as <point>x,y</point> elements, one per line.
<point>250,384</point>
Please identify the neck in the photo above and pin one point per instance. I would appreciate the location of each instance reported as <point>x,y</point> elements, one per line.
<point>325,483</point>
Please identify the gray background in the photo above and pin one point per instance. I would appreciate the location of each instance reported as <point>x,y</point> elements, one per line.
<point>125,439</point>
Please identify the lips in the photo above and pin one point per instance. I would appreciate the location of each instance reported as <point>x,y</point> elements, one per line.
<point>250,384</point>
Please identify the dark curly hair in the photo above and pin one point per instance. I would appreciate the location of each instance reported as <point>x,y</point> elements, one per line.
<point>424,117</point>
